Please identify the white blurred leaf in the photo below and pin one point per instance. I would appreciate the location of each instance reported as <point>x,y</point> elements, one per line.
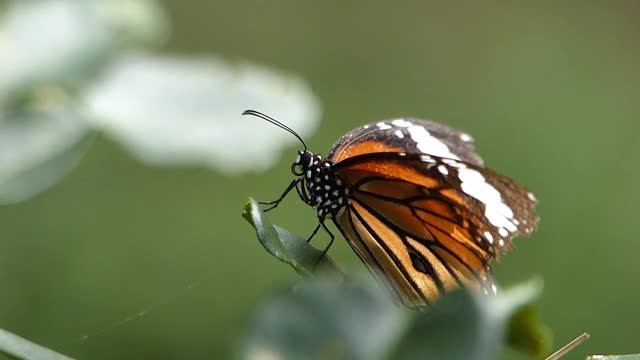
<point>186,111</point>
<point>60,40</point>
<point>38,146</point>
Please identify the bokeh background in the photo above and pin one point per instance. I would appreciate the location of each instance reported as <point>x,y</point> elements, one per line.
<point>549,90</point>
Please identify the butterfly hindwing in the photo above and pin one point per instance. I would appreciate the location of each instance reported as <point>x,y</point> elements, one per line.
<point>417,270</point>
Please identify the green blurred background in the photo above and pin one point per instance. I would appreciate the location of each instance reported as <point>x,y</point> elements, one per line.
<point>550,92</point>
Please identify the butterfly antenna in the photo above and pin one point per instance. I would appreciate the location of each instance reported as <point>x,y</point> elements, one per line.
<point>274,122</point>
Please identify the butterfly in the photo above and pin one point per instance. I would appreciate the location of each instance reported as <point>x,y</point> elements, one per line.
<point>416,204</point>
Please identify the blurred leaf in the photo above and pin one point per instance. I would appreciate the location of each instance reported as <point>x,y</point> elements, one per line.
<point>462,325</point>
<point>525,331</point>
<point>18,348</point>
<point>62,41</point>
<point>39,144</point>
<point>322,319</point>
<point>614,357</point>
<point>287,247</point>
<point>465,325</point>
<point>186,111</point>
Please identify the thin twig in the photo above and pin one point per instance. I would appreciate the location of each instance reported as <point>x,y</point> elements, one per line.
<point>570,346</point>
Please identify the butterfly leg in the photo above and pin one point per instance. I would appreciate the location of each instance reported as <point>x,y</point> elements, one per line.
<point>314,233</point>
<point>326,249</point>
<point>302,193</point>
<point>273,204</point>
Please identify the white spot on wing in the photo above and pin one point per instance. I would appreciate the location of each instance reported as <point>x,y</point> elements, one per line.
<point>428,144</point>
<point>466,137</point>
<point>399,134</point>
<point>454,163</point>
<point>531,196</point>
<point>443,170</point>
<point>383,126</point>
<point>503,232</point>
<point>402,123</point>
<point>496,211</point>
<point>427,158</point>
<point>489,237</point>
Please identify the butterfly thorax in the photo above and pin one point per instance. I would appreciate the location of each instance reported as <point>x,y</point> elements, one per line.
<point>319,187</point>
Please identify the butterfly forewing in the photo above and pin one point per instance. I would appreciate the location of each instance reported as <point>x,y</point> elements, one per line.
<point>406,135</point>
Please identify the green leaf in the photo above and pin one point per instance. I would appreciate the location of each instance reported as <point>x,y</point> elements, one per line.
<point>323,319</point>
<point>614,357</point>
<point>288,247</point>
<point>19,348</point>
<point>465,325</point>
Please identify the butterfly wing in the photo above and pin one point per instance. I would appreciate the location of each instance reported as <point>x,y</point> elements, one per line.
<point>427,223</point>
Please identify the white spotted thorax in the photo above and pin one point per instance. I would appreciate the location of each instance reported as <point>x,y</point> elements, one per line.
<point>321,189</point>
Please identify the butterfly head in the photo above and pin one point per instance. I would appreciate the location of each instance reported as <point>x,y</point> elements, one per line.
<point>304,162</point>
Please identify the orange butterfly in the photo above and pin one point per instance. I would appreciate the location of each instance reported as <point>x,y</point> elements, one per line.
<point>415,203</point>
